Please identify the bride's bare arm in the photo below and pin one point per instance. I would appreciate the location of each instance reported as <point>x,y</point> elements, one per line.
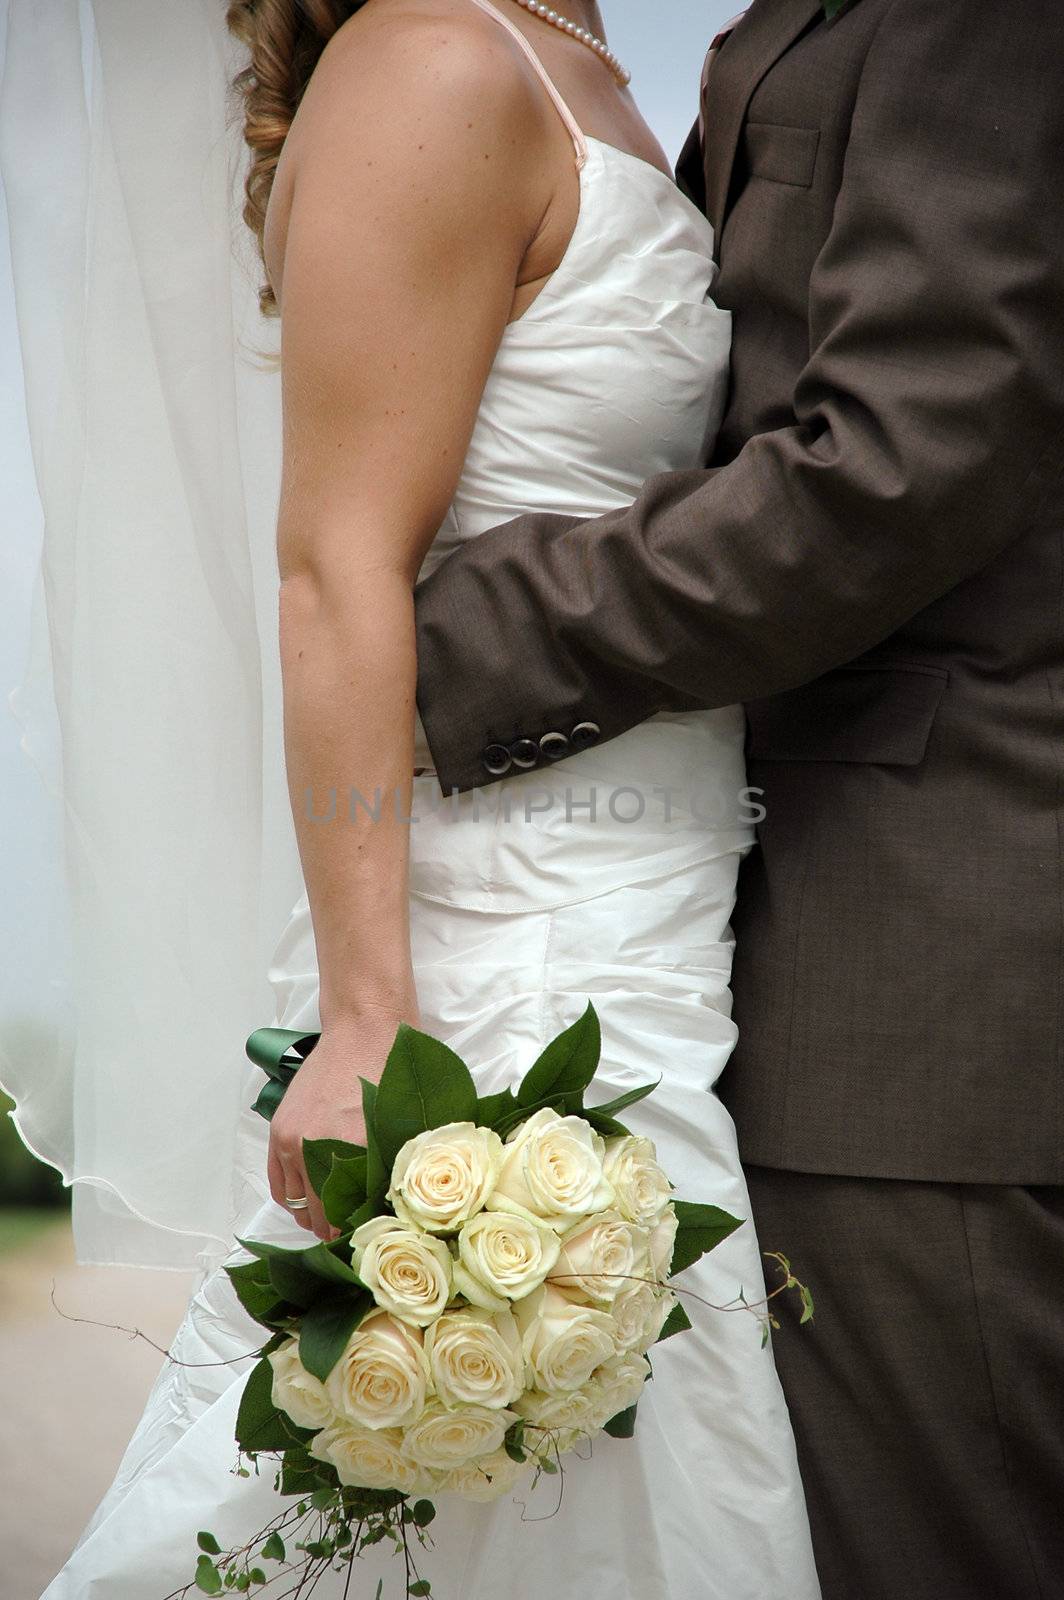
<point>412,207</point>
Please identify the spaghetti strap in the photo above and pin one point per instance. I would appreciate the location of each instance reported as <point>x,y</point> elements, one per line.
<point>545,78</point>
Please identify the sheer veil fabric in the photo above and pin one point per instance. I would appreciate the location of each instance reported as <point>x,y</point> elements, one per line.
<point>150,704</point>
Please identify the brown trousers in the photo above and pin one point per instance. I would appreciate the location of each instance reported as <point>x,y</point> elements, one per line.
<point>928,1394</point>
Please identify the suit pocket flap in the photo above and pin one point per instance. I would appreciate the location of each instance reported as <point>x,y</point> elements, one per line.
<point>781,153</point>
<point>857,713</point>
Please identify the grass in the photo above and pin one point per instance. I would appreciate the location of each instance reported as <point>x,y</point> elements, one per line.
<point>20,1225</point>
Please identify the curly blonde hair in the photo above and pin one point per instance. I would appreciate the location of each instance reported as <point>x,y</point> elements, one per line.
<point>286,38</point>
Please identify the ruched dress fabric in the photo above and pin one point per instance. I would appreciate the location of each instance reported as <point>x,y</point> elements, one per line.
<point>608,876</point>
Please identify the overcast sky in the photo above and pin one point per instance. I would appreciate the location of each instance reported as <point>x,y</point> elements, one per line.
<point>662,42</point>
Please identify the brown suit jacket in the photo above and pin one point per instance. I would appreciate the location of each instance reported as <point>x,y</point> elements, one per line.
<point>873,562</point>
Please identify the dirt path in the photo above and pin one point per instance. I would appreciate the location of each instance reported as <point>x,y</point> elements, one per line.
<point>71,1394</point>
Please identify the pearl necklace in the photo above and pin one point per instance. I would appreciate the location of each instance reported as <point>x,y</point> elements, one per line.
<point>583,35</point>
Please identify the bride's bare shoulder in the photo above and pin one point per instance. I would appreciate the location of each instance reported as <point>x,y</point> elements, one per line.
<point>421,110</point>
<point>428,61</point>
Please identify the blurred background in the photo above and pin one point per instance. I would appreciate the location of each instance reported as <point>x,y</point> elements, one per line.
<point>73,1391</point>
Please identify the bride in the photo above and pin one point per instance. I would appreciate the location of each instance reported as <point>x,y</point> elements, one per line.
<point>493,299</point>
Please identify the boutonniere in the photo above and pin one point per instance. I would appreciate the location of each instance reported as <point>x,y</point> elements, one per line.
<point>833,7</point>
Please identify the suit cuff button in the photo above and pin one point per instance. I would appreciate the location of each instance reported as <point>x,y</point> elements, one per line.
<point>524,753</point>
<point>495,758</point>
<point>584,733</point>
<point>553,746</point>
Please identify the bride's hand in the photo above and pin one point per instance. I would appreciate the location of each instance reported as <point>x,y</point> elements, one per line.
<point>324,1101</point>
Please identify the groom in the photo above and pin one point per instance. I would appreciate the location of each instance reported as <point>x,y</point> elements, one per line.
<point>874,563</point>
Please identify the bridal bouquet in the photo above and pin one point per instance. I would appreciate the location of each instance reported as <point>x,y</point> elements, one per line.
<point>501,1273</point>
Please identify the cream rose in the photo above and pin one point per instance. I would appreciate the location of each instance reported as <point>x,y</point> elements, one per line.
<point>443,1438</point>
<point>406,1271</point>
<point>382,1378</point>
<point>616,1386</point>
<point>640,1186</point>
<point>296,1391</point>
<point>443,1176</point>
<point>475,1357</point>
<point>563,1340</point>
<point>562,1416</point>
<point>485,1479</point>
<point>502,1257</point>
<point>552,1170</point>
<point>599,1255</point>
<point>639,1312</point>
<point>368,1458</point>
<point>661,1244</point>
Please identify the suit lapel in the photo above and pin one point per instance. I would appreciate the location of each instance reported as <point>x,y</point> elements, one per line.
<point>755,44</point>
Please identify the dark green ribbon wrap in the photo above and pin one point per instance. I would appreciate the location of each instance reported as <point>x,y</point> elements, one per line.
<point>280,1052</point>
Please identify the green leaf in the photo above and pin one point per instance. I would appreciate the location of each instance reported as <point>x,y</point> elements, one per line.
<point>567,1065</point>
<point>256,1291</point>
<point>209,1543</point>
<point>423,1085</point>
<point>622,1426</point>
<point>378,1172</point>
<point>257,1575</point>
<point>326,1328</point>
<point>370,1208</point>
<point>259,1425</point>
<point>514,1441</point>
<point>512,1119</point>
<point>603,1123</point>
<point>273,1549</point>
<point>491,1108</point>
<point>295,1283</point>
<point>301,1474</point>
<point>332,1261</point>
<point>701,1229</point>
<point>289,1278</point>
<point>303,1276</point>
<point>208,1578</point>
<point>344,1190</point>
<point>677,1321</point>
<point>318,1157</point>
<point>421,1587</point>
<point>362,1503</point>
<point>424,1512</point>
<point>629,1098</point>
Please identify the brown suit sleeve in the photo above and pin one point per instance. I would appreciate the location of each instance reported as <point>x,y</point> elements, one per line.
<point>927,430</point>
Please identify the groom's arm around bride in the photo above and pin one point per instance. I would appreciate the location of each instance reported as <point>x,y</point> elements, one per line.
<point>873,563</point>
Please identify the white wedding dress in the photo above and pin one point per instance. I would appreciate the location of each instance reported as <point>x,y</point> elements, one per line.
<point>612,877</point>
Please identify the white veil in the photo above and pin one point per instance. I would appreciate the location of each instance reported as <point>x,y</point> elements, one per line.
<point>150,704</point>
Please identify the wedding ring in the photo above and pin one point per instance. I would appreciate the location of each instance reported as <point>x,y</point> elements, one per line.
<point>296,1202</point>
